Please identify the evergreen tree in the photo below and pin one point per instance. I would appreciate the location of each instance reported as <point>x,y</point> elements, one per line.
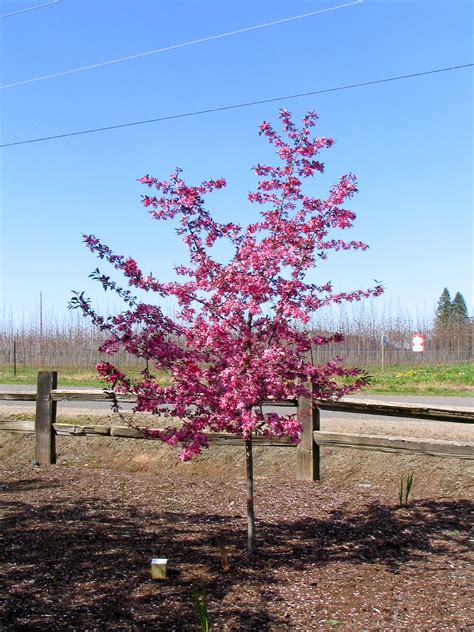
<point>459,311</point>
<point>444,310</point>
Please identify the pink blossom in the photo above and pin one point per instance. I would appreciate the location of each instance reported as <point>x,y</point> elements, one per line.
<point>240,335</point>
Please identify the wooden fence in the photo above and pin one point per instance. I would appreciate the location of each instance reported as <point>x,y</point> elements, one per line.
<point>308,450</point>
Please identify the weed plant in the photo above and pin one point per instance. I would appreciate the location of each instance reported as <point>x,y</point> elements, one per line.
<point>404,492</point>
<point>200,605</point>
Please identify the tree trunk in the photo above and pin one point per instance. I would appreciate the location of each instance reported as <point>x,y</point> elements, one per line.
<point>250,507</point>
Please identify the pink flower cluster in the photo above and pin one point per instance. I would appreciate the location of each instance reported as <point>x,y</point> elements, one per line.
<point>240,335</point>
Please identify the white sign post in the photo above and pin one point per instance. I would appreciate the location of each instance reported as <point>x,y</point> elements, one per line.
<point>418,343</point>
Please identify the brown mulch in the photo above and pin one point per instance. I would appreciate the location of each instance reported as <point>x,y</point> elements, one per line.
<point>77,541</point>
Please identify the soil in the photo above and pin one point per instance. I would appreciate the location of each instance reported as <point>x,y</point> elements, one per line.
<point>78,537</point>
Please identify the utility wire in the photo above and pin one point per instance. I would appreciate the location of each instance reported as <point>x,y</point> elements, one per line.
<point>174,46</point>
<point>38,6</point>
<point>237,105</point>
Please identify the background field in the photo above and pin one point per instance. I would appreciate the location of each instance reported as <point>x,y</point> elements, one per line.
<point>68,341</point>
<point>450,380</point>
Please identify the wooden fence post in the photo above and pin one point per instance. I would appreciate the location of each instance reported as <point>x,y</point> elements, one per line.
<point>45,446</point>
<point>307,451</point>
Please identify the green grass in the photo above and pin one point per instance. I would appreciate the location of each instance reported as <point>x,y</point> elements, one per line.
<point>67,377</point>
<point>439,379</point>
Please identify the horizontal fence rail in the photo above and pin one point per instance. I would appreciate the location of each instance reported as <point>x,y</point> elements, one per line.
<point>18,397</point>
<point>432,447</point>
<point>455,414</point>
<point>308,450</point>
<point>95,395</point>
<point>129,432</point>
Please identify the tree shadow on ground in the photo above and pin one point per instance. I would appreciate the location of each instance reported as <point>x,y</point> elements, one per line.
<point>26,484</point>
<point>84,564</point>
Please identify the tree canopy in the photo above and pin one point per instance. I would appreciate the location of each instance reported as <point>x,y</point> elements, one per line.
<point>239,336</point>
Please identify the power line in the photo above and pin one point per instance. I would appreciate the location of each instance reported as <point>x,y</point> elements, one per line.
<point>237,105</point>
<point>174,46</point>
<point>38,6</point>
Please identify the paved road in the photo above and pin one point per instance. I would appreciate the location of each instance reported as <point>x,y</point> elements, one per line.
<point>73,407</point>
<point>87,407</point>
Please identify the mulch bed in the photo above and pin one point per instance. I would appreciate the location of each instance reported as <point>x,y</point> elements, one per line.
<point>77,543</point>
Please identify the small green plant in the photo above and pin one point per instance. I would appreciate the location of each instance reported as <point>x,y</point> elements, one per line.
<point>405,489</point>
<point>200,604</point>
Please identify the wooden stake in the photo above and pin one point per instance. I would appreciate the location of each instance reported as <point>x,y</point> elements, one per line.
<point>45,448</point>
<point>307,452</point>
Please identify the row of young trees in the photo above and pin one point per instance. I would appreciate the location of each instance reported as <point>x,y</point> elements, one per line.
<point>64,343</point>
<point>65,340</point>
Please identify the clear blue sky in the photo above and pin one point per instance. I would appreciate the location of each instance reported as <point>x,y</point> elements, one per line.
<point>409,142</point>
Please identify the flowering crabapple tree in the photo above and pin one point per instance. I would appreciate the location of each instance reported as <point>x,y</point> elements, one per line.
<point>241,332</point>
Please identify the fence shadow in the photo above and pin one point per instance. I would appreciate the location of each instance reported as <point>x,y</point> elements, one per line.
<point>84,564</point>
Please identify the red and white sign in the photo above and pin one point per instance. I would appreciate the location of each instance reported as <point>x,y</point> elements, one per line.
<point>418,343</point>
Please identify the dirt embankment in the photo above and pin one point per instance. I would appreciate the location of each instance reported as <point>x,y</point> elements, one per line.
<point>338,466</point>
